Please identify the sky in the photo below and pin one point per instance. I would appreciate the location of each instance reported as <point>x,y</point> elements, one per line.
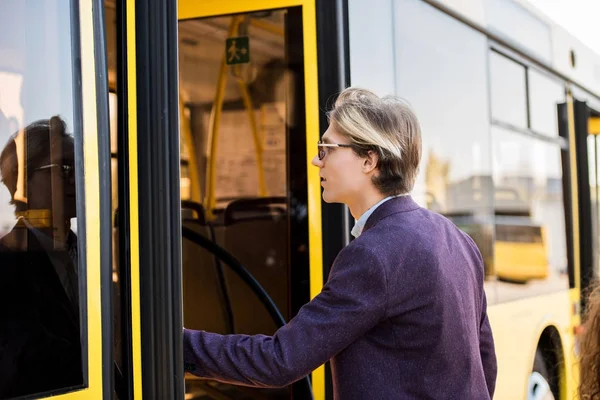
<point>579,17</point>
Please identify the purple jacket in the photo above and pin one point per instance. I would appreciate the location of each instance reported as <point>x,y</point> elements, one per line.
<point>402,316</point>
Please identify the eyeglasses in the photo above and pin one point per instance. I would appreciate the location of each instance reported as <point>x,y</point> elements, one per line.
<point>322,152</point>
<point>66,171</point>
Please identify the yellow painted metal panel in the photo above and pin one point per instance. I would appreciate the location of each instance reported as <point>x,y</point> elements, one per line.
<point>572,380</point>
<point>92,198</point>
<point>209,8</point>
<point>574,191</point>
<point>133,202</point>
<point>594,125</point>
<point>315,237</point>
<point>514,321</point>
<point>92,205</point>
<point>193,9</point>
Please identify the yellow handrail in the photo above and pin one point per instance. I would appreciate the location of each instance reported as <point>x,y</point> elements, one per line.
<point>188,140</point>
<point>213,131</point>
<point>267,26</point>
<point>213,128</point>
<point>257,145</point>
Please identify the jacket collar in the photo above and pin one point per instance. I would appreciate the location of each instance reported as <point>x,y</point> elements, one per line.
<point>392,206</point>
<point>360,223</point>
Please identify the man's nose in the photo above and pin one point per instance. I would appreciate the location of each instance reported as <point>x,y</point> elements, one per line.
<point>316,162</point>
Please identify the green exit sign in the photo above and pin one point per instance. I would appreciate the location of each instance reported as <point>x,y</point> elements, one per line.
<point>237,50</point>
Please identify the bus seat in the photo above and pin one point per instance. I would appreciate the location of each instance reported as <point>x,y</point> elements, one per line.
<point>256,233</point>
<point>204,306</point>
<point>193,210</point>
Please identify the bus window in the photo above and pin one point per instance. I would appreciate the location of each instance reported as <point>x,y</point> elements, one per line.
<point>42,344</point>
<point>593,148</point>
<point>531,244</point>
<point>455,176</point>
<point>508,91</point>
<point>544,94</point>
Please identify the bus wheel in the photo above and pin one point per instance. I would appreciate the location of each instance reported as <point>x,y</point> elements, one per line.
<point>538,387</point>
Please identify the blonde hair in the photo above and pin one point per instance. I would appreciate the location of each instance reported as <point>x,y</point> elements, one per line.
<point>386,126</point>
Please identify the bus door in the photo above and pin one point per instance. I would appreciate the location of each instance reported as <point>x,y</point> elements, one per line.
<point>54,200</point>
<point>248,113</point>
<point>587,129</point>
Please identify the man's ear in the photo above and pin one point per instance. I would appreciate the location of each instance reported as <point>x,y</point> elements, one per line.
<point>370,162</point>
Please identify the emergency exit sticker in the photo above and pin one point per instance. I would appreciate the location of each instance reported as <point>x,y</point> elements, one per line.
<point>237,50</point>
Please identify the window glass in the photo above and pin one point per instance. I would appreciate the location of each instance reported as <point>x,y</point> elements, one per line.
<point>593,165</point>
<point>515,23</point>
<point>531,247</point>
<point>508,91</point>
<point>40,325</point>
<point>544,95</point>
<point>441,71</point>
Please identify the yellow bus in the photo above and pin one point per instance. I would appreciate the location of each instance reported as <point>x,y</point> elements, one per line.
<point>181,193</point>
<point>521,251</point>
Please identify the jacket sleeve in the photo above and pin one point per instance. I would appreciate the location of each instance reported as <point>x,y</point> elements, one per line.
<point>487,350</point>
<point>486,339</point>
<point>350,304</point>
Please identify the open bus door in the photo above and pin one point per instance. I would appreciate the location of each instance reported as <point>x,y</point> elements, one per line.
<point>248,108</point>
<point>55,317</point>
<point>587,129</point>
<point>216,135</point>
<point>216,116</point>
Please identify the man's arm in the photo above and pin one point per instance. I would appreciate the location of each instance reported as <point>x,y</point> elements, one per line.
<point>486,339</point>
<point>351,303</point>
<point>487,350</point>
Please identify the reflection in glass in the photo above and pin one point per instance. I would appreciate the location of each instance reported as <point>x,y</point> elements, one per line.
<point>508,91</point>
<point>441,70</point>
<point>593,165</point>
<point>39,263</point>
<point>531,247</point>
<point>544,94</point>
<point>40,336</point>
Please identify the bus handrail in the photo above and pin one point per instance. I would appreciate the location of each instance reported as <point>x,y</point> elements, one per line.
<point>213,128</point>
<point>257,145</point>
<point>215,121</point>
<point>239,269</point>
<point>188,141</point>
<point>246,276</point>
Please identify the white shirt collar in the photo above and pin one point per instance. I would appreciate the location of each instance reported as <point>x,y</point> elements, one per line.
<point>360,223</point>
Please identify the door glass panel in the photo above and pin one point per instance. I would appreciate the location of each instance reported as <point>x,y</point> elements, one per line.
<point>593,162</point>
<point>440,59</point>
<point>40,311</point>
<point>544,94</point>
<point>243,175</point>
<point>530,251</point>
<point>508,91</point>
